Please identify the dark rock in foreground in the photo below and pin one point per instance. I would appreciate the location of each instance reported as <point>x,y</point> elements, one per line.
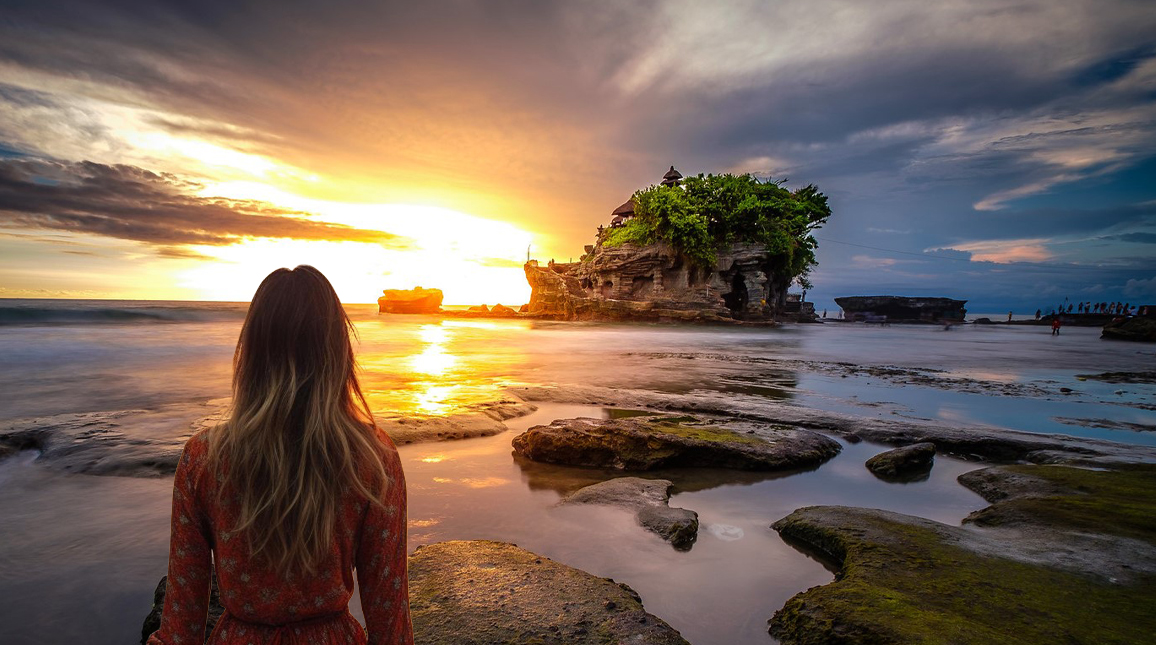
<point>1137,328</point>
<point>481,592</point>
<point>648,499</point>
<point>1047,564</point>
<point>903,463</point>
<point>140,443</point>
<point>646,443</point>
<point>153,620</point>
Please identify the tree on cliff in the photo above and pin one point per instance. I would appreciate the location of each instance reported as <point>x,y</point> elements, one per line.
<point>711,211</point>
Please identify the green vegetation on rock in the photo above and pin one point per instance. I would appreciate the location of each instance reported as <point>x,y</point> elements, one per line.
<point>906,580</point>
<point>710,211</point>
<point>1120,502</point>
<point>672,425</point>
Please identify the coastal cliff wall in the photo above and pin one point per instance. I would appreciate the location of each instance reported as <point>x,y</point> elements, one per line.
<point>656,282</point>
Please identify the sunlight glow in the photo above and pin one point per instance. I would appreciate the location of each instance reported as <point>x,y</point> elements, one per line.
<point>471,259</point>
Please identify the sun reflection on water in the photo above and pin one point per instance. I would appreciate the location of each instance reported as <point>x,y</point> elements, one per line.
<point>433,368</point>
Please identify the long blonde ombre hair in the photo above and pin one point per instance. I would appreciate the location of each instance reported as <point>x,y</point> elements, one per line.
<point>299,433</point>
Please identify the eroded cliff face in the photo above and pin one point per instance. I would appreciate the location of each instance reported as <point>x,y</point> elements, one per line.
<point>655,282</point>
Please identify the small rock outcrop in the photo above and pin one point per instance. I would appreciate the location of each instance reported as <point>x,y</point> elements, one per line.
<point>1136,328</point>
<point>480,592</point>
<point>901,309</point>
<point>646,443</point>
<point>903,463</point>
<point>648,498</point>
<point>410,301</point>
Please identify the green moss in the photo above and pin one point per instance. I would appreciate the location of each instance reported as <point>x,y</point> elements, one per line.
<point>913,587</point>
<point>1121,502</point>
<point>622,413</point>
<point>677,426</point>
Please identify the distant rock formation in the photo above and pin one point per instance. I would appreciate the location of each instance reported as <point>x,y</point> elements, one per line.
<point>1136,328</point>
<point>901,309</point>
<point>410,301</point>
<point>656,282</point>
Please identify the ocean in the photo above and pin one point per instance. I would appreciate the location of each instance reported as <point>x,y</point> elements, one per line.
<point>80,553</point>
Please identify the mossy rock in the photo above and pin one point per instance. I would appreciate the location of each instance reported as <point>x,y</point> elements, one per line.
<point>903,464</point>
<point>1079,567</point>
<point>647,443</point>
<point>481,592</point>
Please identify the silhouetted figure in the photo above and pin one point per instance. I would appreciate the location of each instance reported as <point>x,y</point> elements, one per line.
<point>1009,316</point>
<point>1056,326</point>
<point>1038,312</point>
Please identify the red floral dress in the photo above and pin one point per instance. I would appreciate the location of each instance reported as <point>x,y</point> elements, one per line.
<point>265,608</point>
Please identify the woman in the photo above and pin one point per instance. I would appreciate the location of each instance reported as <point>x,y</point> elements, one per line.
<point>292,493</point>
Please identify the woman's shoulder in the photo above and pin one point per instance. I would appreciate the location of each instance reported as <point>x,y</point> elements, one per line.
<point>195,452</point>
<point>197,445</point>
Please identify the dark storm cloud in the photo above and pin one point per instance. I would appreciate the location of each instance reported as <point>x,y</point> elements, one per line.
<point>131,203</point>
<point>1136,238</point>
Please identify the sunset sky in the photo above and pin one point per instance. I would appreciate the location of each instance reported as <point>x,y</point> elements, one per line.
<point>999,151</point>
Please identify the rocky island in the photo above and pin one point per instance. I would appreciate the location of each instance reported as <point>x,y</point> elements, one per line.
<point>710,248</point>
<point>410,301</point>
<point>901,309</point>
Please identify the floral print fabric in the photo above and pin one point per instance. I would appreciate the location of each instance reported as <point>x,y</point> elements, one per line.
<point>263,607</point>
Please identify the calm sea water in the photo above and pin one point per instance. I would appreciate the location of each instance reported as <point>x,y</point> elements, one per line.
<point>80,555</point>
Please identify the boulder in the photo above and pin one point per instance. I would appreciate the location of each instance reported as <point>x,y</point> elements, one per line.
<point>502,310</point>
<point>481,592</point>
<point>648,498</point>
<point>901,463</point>
<point>1139,329</point>
<point>410,301</point>
<point>479,309</point>
<point>646,443</point>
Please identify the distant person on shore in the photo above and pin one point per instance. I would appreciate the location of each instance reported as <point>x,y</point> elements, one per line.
<point>1009,316</point>
<point>1080,309</point>
<point>1038,312</point>
<point>1056,325</point>
<point>294,496</point>
<point>824,314</point>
